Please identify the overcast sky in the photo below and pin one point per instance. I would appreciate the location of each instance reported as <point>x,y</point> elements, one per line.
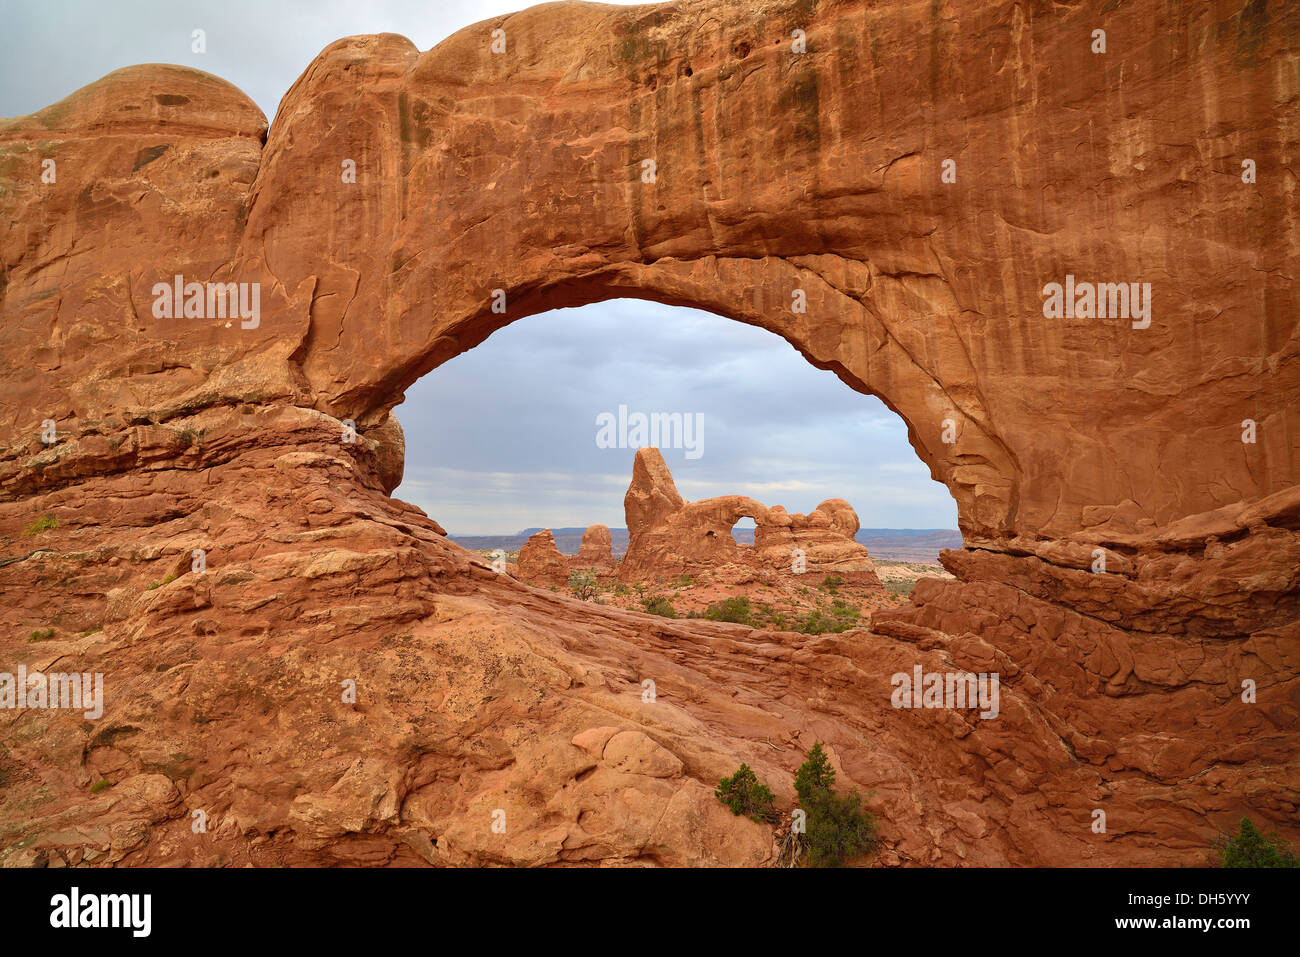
<point>504,437</point>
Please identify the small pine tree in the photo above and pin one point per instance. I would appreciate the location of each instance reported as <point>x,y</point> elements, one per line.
<point>814,775</point>
<point>839,829</point>
<point>1250,848</point>
<point>743,793</point>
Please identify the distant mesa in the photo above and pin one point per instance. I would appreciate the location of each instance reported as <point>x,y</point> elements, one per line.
<point>884,544</point>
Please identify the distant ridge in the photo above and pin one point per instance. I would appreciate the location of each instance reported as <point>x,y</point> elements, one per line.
<point>888,544</point>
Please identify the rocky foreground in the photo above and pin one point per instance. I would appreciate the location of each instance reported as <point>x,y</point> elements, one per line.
<point>299,669</point>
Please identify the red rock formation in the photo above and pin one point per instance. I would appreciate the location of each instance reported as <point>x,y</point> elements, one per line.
<point>541,562</point>
<point>777,173</point>
<point>596,550</point>
<point>670,536</point>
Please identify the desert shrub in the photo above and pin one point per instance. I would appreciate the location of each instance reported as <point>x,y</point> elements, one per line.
<point>839,829</point>
<point>583,585</point>
<point>744,794</point>
<point>100,785</point>
<point>831,582</point>
<point>1249,848</point>
<point>839,617</point>
<point>166,581</point>
<point>44,523</point>
<point>42,634</point>
<point>735,609</point>
<point>659,605</point>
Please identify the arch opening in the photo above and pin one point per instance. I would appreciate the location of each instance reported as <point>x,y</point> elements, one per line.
<point>537,429</point>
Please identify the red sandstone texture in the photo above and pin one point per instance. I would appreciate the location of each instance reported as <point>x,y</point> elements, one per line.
<point>227,688</point>
<point>670,536</point>
<point>541,561</point>
<point>596,550</point>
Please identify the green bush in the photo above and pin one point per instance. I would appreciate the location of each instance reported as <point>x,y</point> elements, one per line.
<point>839,617</point>
<point>42,634</point>
<point>1250,848</point>
<point>743,793</point>
<point>734,610</point>
<point>659,605</point>
<point>839,829</point>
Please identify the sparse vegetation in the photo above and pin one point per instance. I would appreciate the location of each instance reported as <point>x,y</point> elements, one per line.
<point>659,605</point>
<point>1251,848</point>
<point>583,585</point>
<point>42,634</point>
<point>840,616</point>
<point>839,830</point>
<point>100,785</point>
<point>744,794</point>
<point>735,609</point>
<point>42,524</point>
<point>166,581</point>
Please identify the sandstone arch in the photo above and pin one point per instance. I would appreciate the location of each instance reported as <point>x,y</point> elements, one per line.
<point>775,171</point>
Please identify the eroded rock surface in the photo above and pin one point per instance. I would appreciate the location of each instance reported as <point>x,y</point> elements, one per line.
<point>541,562</point>
<point>776,172</point>
<point>596,550</point>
